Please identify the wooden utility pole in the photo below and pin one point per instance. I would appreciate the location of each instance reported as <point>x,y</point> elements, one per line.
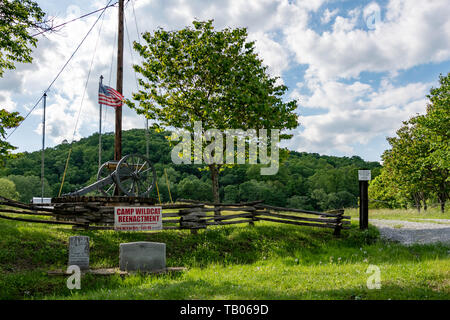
<point>119,87</point>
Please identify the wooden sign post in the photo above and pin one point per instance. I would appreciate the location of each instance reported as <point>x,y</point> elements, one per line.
<point>364,177</point>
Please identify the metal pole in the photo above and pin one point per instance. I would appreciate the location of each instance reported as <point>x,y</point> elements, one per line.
<point>100,131</point>
<point>43,149</point>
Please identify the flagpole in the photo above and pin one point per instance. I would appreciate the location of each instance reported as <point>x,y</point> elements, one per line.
<point>100,130</point>
<point>43,149</point>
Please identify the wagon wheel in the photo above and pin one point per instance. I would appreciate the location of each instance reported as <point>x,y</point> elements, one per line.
<point>135,175</point>
<point>104,172</point>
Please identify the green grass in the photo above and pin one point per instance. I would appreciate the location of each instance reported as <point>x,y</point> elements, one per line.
<point>402,214</point>
<point>267,261</point>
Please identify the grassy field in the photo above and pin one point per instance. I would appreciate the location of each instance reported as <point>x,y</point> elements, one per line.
<point>267,261</point>
<point>408,215</point>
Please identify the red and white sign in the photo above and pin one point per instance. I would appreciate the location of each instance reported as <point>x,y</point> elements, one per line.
<point>137,218</point>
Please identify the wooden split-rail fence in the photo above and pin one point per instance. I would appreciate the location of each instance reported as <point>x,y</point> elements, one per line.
<point>97,213</point>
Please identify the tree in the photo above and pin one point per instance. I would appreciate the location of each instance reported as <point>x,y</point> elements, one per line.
<point>231,194</point>
<point>435,126</point>
<point>405,163</point>
<point>384,193</point>
<point>8,189</point>
<point>216,77</point>
<point>193,188</point>
<point>8,120</point>
<point>29,187</point>
<point>299,202</point>
<point>417,165</point>
<point>17,17</point>
<point>320,198</point>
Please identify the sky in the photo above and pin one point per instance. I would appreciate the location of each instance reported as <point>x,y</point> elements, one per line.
<point>357,68</point>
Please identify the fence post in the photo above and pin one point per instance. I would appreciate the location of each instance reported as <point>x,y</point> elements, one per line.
<point>338,228</point>
<point>252,221</point>
<point>217,211</point>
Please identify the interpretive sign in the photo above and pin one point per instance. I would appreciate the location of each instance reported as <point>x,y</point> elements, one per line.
<point>364,175</point>
<point>137,218</point>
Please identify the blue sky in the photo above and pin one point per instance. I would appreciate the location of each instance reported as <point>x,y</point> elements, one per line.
<point>357,68</point>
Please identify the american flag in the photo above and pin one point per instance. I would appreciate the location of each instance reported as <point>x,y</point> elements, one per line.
<point>109,96</point>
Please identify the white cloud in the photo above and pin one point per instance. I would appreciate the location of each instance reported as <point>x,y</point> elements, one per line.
<point>398,96</point>
<point>328,15</point>
<point>355,113</point>
<point>272,53</point>
<point>6,101</point>
<point>407,34</point>
<point>60,123</point>
<point>410,34</point>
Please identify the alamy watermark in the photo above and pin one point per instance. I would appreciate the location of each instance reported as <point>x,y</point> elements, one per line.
<point>372,16</point>
<point>209,147</point>
<point>74,281</point>
<point>373,281</point>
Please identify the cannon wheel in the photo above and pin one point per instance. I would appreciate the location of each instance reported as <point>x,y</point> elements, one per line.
<point>135,175</point>
<point>104,172</point>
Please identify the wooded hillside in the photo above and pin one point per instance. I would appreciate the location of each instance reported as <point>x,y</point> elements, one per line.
<point>304,180</point>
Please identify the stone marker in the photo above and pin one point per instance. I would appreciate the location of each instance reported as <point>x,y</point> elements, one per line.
<point>143,256</point>
<point>79,252</point>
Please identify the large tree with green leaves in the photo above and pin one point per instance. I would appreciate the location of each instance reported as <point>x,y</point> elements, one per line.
<point>8,189</point>
<point>434,127</point>
<point>17,19</point>
<point>212,76</point>
<point>417,165</point>
<point>8,120</point>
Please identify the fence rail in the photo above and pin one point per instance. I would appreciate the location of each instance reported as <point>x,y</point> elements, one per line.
<point>96,213</point>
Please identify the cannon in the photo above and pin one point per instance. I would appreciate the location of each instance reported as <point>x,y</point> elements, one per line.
<point>134,175</point>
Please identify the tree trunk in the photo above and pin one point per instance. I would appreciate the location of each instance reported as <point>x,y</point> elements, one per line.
<point>417,201</point>
<point>215,181</point>
<point>425,207</point>
<point>214,168</point>
<point>441,199</point>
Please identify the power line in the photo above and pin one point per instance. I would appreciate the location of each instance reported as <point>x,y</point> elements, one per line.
<point>135,21</point>
<point>62,69</point>
<point>131,50</point>
<point>81,107</point>
<point>87,80</point>
<point>67,22</point>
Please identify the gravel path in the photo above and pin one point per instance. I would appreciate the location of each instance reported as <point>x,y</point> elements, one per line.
<point>408,232</point>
